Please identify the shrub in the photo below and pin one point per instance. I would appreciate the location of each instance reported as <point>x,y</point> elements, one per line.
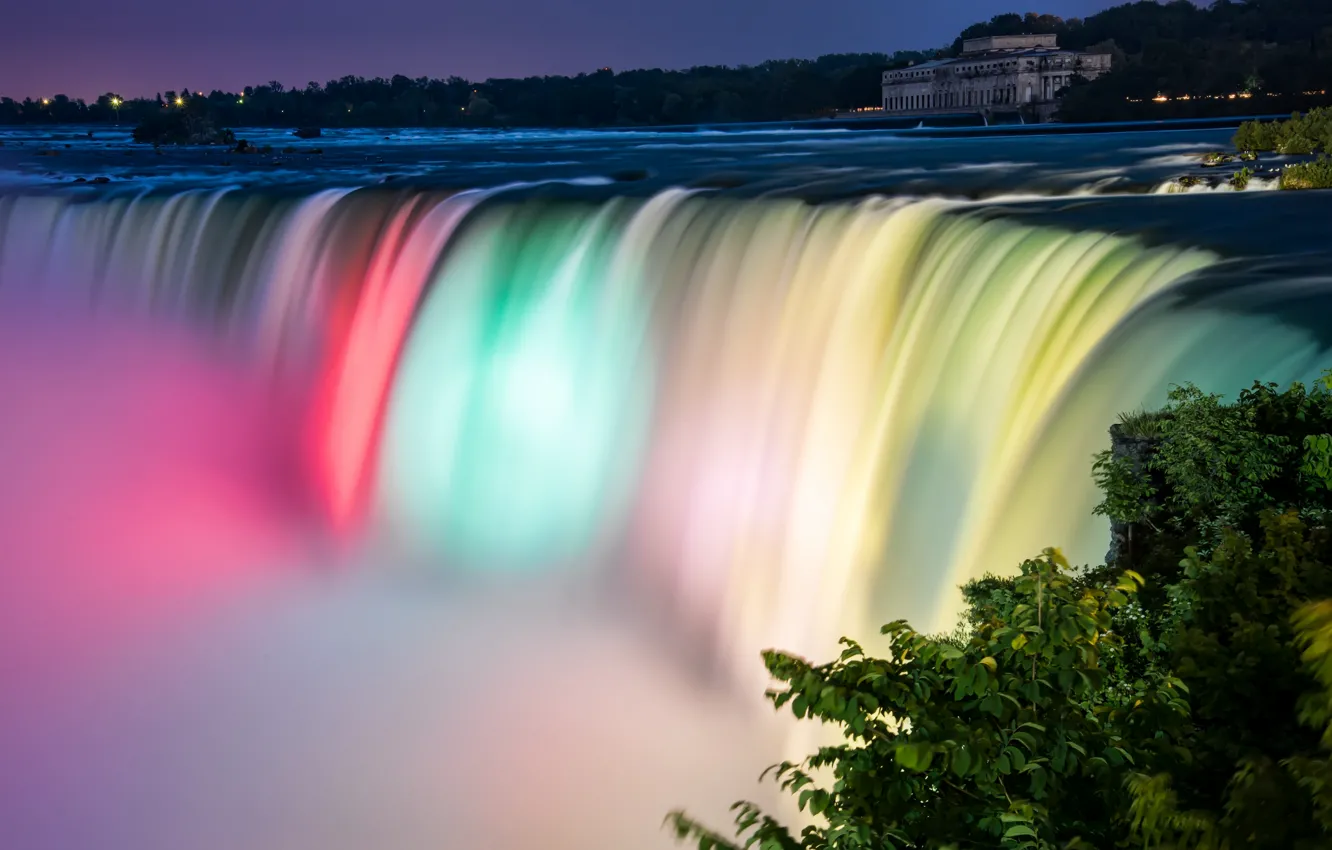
<point>1316,174</point>
<point>1299,135</point>
<point>1256,136</point>
<point>988,744</point>
<point>1056,716</point>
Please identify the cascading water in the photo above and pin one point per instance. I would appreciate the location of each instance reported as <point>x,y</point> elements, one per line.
<point>778,422</point>
<point>790,421</point>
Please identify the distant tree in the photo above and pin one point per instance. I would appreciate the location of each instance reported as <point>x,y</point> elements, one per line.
<point>480,108</point>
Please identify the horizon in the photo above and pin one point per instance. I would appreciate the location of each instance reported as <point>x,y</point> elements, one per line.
<point>147,42</point>
<point>195,92</point>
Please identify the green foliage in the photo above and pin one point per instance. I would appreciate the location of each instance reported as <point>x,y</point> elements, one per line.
<point>1217,465</point>
<point>1129,493</point>
<point>1301,134</point>
<point>1256,136</point>
<point>992,744</point>
<point>1258,751</point>
<point>1316,466</point>
<point>1275,52</point>
<point>1217,158</point>
<point>1240,179</point>
<point>1055,715</point>
<point>1141,424</point>
<point>1221,475</point>
<point>1316,174</point>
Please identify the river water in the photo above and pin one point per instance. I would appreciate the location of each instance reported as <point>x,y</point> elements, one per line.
<point>439,489</point>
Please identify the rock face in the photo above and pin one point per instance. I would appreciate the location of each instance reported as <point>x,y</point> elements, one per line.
<point>1138,450</point>
<point>181,128</point>
<point>308,133</point>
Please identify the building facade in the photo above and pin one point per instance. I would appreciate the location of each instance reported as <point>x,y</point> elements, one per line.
<point>1004,73</point>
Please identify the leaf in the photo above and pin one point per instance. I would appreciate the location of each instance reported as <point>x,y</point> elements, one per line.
<point>990,663</point>
<point>1019,641</point>
<point>1038,778</point>
<point>916,757</point>
<point>1014,755</point>
<point>961,761</point>
<point>1020,830</point>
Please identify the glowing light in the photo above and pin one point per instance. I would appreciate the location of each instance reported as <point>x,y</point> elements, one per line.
<point>520,402</point>
<point>46,101</point>
<point>350,411</point>
<point>180,101</point>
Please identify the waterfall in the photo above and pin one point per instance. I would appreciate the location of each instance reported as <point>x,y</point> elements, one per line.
<point>780,422</point>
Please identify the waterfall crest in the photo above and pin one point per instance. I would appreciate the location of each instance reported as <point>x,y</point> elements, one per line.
<point>781,422</point>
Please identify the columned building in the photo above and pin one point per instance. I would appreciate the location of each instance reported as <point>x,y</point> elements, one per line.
<point>1001,73</point>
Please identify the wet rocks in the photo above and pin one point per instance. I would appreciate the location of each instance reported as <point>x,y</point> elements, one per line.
<point>308,133</point>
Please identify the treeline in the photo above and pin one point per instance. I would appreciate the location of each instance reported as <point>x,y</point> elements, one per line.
<point>1277,52</point>
<point>1179,698</point>
<point>774,90</point>
<point>1274,56</point>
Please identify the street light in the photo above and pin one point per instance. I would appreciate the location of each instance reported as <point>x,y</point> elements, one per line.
<point>115,104</point>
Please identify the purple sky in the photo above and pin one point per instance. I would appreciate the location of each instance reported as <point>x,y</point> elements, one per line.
<point>138,47</point>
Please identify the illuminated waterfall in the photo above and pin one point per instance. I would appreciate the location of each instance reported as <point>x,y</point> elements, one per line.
<point>781,422</point>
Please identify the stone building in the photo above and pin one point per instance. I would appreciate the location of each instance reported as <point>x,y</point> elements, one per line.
<point>1002,73</point>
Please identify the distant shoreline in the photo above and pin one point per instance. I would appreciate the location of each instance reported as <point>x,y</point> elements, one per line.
<point>915,127</point>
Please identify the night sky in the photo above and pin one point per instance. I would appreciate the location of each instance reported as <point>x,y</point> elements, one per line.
<point>138,47</point>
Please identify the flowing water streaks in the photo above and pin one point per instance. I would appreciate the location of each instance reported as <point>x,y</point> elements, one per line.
<point>780,421</point>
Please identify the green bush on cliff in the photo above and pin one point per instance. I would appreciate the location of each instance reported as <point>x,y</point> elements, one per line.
<point>1252,776</point>
<point>990,744</point>
<point>1180,697</point>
